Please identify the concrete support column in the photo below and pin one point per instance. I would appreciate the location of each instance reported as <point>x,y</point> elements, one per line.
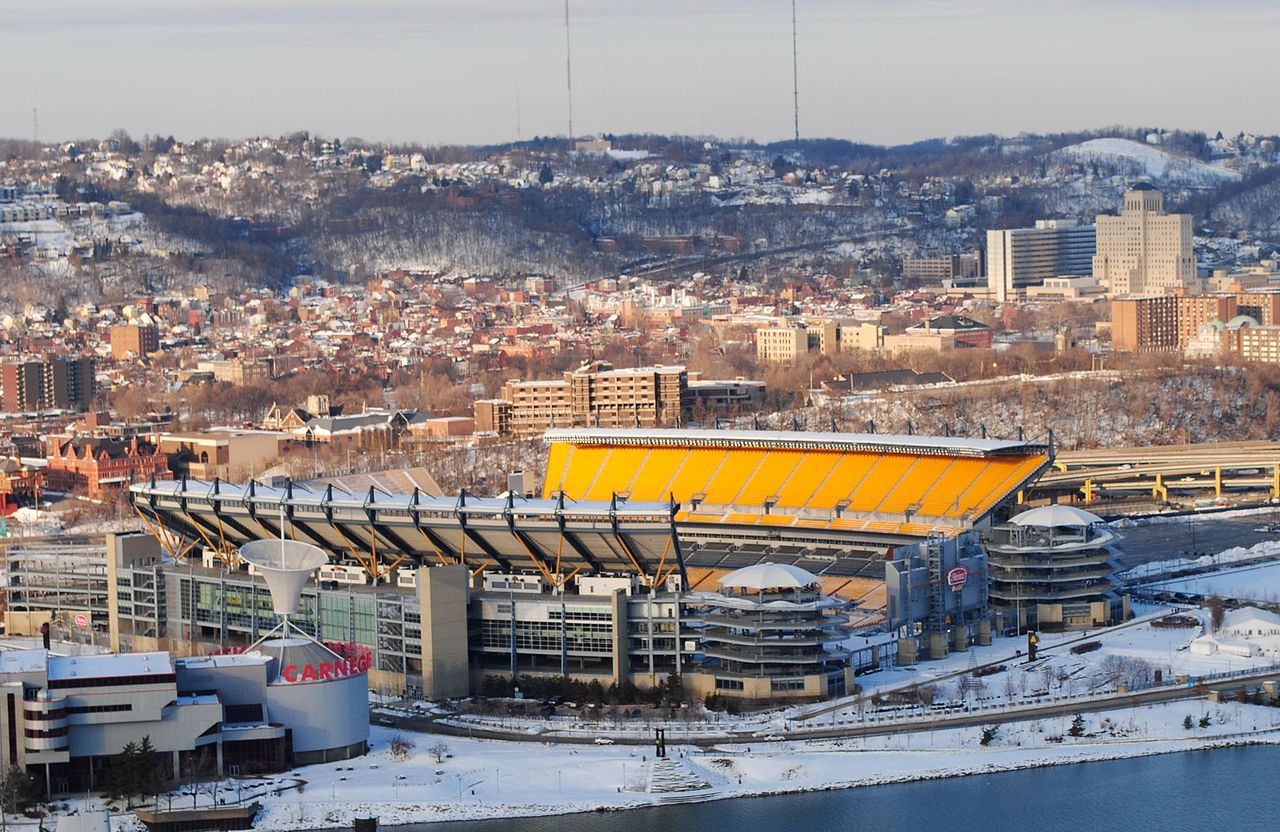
<point>442,596</point>
<point>621,664</point>
<point>908,652</point>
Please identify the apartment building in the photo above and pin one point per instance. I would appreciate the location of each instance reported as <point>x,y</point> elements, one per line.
<point>1156,323</point>
<point>596,394</point>
<point>781,344</point>
<point>1144,250</point>
<point>238,371</point>
<point>134,340</point>
<point>1260,344</point>
<point>950,268</point>
<point>61,384</point>
<point>785,344</point>
<point>1020,258</point>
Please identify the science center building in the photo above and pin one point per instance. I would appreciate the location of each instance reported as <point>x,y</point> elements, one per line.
<point>285,700</point>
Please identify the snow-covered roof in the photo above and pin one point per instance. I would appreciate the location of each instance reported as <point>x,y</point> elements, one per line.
<point>877,442</point>
<point>769,576</point>
<point>1057,515</point>
<point>108,666</point>
<point>23,661</point>
<point>1249,617</point>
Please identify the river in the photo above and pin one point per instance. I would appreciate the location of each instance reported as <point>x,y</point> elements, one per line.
<point>1231,788</point>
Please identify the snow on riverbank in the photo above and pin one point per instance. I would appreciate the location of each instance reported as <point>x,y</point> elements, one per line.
<point>485,779</point>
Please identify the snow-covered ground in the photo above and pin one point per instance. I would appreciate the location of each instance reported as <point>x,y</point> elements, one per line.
<point>1158,164</point>
<point>1247,583</point>
<point>486,779</point>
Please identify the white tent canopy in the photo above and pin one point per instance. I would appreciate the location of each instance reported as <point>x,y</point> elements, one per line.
<point>769,576</point>
<point>1056,515</point>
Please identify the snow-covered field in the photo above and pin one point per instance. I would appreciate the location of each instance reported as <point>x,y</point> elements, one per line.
<point>1147,160</point>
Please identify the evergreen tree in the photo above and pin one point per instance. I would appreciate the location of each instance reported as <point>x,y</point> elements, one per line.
<point>1077,726</point>
<point>18,789</point>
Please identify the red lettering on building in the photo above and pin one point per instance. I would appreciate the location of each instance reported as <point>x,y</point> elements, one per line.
<point>353,660</point>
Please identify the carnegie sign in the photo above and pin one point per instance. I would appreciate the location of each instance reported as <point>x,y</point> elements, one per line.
<point>352,660</point>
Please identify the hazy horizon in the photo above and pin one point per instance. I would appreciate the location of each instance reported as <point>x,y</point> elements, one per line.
<point>450,72</point>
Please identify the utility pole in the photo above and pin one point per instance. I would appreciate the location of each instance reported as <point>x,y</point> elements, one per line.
<point>568,71</point>
<point>795,72</point>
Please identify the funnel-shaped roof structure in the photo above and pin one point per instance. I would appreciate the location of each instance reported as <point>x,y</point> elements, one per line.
<point>286,565</point>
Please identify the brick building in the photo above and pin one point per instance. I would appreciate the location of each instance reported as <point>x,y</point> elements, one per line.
<point>91,465</point>
<point>133,339</point>
<point>1160,323</point>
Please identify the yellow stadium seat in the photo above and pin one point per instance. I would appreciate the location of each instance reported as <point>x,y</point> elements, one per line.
<point>658,470</point>
<point>557,458</point>
<point>1019,471</point>
<point>844,478</point>
<point>804,480</point>
<point>695,472</point>
<point>945,493</point>
<point>918,481</point>
<point>881,481</point>
<point>773,471</point>
<point>738,467</point>
<point>617,473</point>
<point>580,470</point>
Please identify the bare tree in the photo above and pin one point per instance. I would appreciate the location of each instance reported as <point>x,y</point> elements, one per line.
<point>401,747</point>
<point>1217,612</point>
<point>438,751</point>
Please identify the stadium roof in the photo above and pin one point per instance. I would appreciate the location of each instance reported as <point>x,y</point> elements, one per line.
<point>557,538</point>
<point>799,440</point>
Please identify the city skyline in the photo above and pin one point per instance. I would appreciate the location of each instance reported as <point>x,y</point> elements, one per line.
<point>444,72</point>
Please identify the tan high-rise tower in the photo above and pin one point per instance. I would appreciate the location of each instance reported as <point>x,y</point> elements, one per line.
<point>1144,250</point>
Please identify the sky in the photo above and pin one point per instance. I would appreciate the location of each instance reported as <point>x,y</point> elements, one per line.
<point>491,71</point>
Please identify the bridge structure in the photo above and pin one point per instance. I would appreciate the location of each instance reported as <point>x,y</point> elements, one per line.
<point>1209,470</point>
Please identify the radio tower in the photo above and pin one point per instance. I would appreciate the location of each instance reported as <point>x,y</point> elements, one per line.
<point>795,72</point>
<point>568,71</point>
<point>35,125</point>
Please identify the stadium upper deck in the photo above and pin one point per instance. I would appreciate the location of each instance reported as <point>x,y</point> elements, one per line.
<point>880,484</point>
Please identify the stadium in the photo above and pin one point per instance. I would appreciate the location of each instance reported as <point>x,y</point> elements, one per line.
<point>591,578</point>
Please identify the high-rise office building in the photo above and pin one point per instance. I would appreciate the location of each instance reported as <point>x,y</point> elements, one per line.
<point>1021,257</point>
<point>1144,250</point>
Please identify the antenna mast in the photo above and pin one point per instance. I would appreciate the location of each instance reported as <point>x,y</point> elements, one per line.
<point>795,71</point>
<point>568,71</point>
<point>35,125</point>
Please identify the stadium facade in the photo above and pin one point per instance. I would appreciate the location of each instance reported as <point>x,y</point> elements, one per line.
<point>595,577</point>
